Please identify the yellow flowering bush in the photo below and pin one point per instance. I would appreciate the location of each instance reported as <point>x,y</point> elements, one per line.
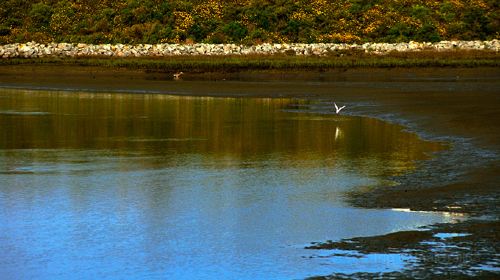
<point>211,9</point>
<point>183,20</point>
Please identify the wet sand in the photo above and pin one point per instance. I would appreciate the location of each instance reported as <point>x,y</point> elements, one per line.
<point>460,106</point>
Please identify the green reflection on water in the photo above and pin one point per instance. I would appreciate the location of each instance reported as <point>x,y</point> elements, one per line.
<point>232,130</point>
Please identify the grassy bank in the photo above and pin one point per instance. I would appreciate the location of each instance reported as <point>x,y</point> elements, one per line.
<point>279,62</point>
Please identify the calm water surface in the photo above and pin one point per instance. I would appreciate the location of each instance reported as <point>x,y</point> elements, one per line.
<point>97,186</point>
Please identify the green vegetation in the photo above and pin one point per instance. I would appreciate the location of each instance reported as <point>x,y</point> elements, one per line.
<point>247,21</point>
<point>278,62</point>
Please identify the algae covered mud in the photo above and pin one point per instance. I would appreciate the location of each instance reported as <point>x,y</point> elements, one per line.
<point>111,177</point>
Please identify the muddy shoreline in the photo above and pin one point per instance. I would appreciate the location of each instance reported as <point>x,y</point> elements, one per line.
<point>463,180</point>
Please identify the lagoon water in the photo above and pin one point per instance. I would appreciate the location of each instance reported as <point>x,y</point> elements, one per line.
<point>149,186</point>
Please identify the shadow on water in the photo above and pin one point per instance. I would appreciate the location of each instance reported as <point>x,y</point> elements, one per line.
<point>148,186</point>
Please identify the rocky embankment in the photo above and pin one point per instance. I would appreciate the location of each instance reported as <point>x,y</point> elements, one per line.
<point>34,50</point>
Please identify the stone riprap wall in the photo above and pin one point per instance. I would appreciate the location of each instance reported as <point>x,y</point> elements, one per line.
<point>34,50</point>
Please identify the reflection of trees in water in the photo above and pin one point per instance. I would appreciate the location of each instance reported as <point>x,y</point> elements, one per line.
<point>234,129</point>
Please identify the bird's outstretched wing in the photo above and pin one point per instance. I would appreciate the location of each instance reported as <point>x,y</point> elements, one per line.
<point>337,109</point>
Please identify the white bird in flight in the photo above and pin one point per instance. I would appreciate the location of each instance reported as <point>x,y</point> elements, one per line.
<point>337,109</point>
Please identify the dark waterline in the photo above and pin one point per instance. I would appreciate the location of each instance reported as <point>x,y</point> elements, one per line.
<point>154,186</point>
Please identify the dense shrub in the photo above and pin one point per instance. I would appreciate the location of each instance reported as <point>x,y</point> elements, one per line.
<point>248,21</point>
<point>40,15</point>
<point>4,30</point>
<point>235,31</point>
